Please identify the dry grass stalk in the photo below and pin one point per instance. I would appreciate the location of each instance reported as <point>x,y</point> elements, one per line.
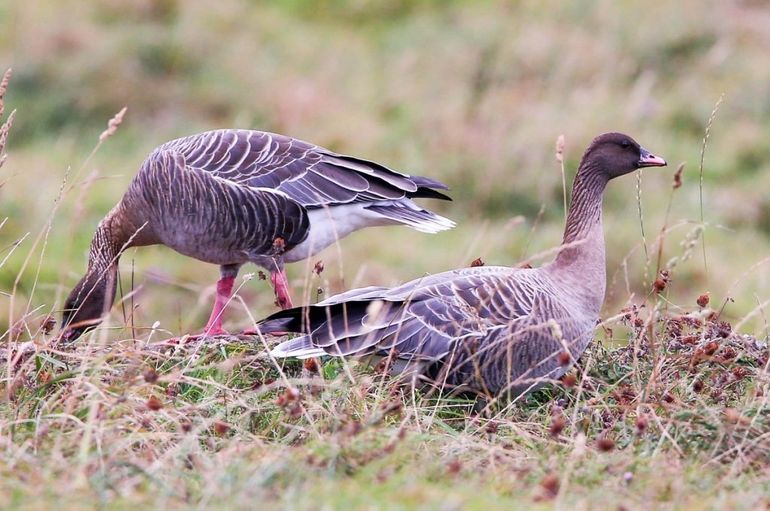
<point>112,125</point>
<point>560,158</point>
<point>5,128</point>
<point>3,88</point>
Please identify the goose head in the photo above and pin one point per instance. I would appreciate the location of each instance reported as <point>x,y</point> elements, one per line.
<point>85,306</point>
<point>617,154</point>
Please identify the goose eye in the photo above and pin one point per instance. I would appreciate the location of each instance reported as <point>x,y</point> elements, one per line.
<point>625,144</point>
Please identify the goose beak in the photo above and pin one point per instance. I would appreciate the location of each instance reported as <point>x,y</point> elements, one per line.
<point>647,159</point>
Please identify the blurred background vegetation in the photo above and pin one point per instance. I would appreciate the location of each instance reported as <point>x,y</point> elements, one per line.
<point>472,93</point>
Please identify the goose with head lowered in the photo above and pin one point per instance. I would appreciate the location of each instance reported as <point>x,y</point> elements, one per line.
<point>490,330</point>
<point>229,197</point>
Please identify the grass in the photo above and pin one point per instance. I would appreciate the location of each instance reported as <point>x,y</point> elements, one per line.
<point>668,408</point>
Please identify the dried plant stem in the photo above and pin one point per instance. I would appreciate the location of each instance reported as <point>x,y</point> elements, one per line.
<point>641,225</point>
<point>560,159</point>
<point>706,136</point>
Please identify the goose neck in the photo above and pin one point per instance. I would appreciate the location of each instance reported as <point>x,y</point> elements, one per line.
<point>581,261</point>
<point>585,211</point>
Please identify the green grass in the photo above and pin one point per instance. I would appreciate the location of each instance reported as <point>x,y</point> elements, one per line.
<point>472,93</point>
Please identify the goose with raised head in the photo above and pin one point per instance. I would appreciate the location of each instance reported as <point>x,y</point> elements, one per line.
<point>229,197</point>
<point>490,330</point>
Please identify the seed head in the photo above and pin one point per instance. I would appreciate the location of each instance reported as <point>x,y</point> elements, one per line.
<point>641,424</point>
<point>279,245</point>
<point>319,267</point>
<point>605,444</point>
<point>311,365</point>
<point>154,404</point>
<point>703,300</point>
<point>112,125</point>
<point>557,425</point>
<point>48,324</point>
<point>569,380</point>
<point>550,483</point>
<point>221,428</point>
<point>560,149</point>
<point>697,386</point>
<point>678,176</point>
<point>289,396</point>
<point>453,467</point>
<point>477,262</point>
<point>150,376</point>
<point>564,358</point>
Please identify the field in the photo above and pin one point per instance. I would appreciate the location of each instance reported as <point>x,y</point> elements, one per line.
<point>668,408</point>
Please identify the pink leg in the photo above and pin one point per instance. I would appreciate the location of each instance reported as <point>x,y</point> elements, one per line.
<point>224,291</point>
<point>281,285</point>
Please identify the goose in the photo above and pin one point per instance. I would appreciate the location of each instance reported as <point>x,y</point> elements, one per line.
<point>229,197</point>
<point>487,330</point>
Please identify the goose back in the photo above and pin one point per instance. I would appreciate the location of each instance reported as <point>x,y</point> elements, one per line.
<point>487,329</point>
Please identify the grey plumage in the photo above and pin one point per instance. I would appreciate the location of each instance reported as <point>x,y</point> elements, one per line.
<point>229,197</point>
<point>492,330</point>
<point>225,196</point>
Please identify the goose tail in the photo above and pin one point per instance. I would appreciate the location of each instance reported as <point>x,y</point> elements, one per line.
<point>411,215</point>
<point>300,347</point>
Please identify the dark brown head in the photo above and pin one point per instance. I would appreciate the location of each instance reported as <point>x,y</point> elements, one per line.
<point>616,154</point>
<point>88,302</point>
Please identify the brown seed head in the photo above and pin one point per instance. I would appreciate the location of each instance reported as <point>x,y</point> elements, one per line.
<point>564,358</point>
<point>557,425</point>
<point>289,396</point>
<point>605,444</point>
<point>659,285</point>
<point>221,428</point>
<point>477,262</point>
<point>550,484</point>
<point>740,372</point>
<point>154,404</point>
<point>678,176</point>
<point>641,424</point>
<point>703,300</point>
<point>569,380</point>
<point>150,376</point>
<point>311,365</point>
<point>279,245</point>
<point>294,410</point>
<point>710,348</point>
<point>48,324</point>
<point>732,415</point>
<point>319,267</point>
<point>453,467</point>
<point>697,385</point>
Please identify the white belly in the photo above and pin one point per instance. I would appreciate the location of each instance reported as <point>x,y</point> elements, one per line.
<point>328,225</point>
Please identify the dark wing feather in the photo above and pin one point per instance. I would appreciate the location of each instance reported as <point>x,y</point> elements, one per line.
<point>311,175</point>
<point>422,317</point>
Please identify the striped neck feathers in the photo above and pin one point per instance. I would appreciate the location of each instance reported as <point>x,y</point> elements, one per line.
<point>92,297</point>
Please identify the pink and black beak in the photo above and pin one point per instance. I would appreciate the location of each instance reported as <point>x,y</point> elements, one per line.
<point>647,159</point>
